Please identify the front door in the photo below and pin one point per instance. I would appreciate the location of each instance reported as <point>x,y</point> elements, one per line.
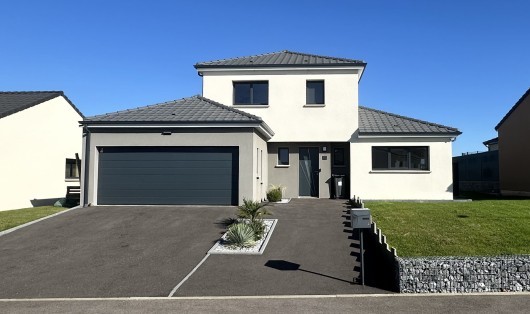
<point>308,171</point>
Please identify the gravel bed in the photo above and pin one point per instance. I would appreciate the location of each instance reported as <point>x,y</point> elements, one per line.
<point>222,248</point>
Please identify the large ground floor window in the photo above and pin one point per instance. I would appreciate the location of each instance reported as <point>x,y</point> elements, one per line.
<point>400,158</point>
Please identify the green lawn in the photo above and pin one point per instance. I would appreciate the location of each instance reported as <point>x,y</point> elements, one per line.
<point>481,227</point>
<point>13,218</point>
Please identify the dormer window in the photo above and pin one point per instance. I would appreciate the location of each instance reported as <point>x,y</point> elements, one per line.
<point>251,93</point>
<point>315,92</point>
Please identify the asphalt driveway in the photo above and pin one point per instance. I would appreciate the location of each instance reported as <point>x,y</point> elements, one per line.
<point>108,251</point>
<point>311,252</point>
<point>145,251</point>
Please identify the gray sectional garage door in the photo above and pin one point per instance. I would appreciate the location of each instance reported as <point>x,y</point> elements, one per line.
<point>168,175</point>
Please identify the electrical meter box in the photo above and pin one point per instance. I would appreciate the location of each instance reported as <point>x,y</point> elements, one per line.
<point>360,218</point>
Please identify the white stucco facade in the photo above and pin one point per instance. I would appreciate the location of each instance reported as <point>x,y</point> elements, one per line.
<point>287,113</point>
<point>336,121</point>
<point>433,184</point>
<point>35,145</point>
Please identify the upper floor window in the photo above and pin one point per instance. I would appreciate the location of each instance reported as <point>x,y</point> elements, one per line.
<point>315,92</point>
<point>400,158</point>
<point>251,93</point>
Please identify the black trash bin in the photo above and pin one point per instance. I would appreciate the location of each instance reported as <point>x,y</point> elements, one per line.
<point>339,188</point>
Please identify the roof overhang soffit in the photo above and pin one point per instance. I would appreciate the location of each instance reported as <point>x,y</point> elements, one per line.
<point>261,128</point>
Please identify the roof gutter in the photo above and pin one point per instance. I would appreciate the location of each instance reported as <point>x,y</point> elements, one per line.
<point>262,127</point>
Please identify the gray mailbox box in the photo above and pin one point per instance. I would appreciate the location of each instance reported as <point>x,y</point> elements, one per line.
<point>360,218</point>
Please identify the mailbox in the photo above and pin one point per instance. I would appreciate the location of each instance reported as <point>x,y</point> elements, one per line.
<point>360,218</point>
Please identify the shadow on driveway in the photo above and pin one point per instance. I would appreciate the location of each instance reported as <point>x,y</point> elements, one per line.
<point>311,252</point>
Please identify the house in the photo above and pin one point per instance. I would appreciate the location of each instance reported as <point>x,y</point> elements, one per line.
<point>279,118</point>
<point>514,148</point>
<point>40,137</point>
<point>492,144</point>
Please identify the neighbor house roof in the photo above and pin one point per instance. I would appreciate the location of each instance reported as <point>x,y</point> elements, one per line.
<point>492,141</point>
<point>280,59</point>
<point>13,102</point>
<point>377,122</point>
<point>191,110</point>
<point>513,108</point>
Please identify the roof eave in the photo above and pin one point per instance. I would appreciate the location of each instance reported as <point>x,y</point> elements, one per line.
<point>408,134</point>
<point>199,66</point>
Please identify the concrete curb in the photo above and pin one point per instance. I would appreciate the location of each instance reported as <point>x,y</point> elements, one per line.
<point>397,295</point>
<point>2,233</point>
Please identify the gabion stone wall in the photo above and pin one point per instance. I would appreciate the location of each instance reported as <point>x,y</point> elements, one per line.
<point>464,274</point>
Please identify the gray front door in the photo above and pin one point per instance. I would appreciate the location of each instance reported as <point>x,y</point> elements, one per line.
<point>308,171</point>
<point>168,176</point>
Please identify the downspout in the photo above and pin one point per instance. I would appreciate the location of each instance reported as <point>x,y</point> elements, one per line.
<point>87,163</point>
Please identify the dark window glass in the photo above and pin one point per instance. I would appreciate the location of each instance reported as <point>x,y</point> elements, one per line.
<point>242,93</point>
<point>70,171</point>
<point>400,158</point>
<point>315,92</point>
<point>283,156</point>
<point>251,93</point>
<point>379,158</point>
<point>338,157</point>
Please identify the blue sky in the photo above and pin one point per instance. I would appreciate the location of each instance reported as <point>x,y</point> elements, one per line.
<point>459,63</point>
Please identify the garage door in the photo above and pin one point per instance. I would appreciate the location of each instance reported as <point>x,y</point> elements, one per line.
<point>168,175</point>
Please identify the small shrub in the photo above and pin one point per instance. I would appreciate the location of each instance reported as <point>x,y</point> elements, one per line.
<point>274,195</point>
<point>241,235</point>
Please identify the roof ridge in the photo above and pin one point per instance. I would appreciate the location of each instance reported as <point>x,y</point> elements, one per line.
<point>234,58</point>
<point>220,105</point>
<point>322,56</point>
<point>32,92</point>
<point>512,109</point>
<point>409,118</point>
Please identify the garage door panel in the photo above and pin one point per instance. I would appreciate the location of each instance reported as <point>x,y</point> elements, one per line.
<point>196,172</point>
<point>168,175</point>
<point>168,155</point>
<point>151,183</point>
<point>127,164</point>
<point>168,194</point>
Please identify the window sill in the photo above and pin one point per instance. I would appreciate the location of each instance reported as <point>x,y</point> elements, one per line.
<point>282,166</point>
<point>71,180</point>
<point>402,171</point>
<point>314,105</point>
<point>251,106</point>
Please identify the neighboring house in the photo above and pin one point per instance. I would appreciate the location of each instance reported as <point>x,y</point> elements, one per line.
<point>476,172</point>
<point>280,118</point>
<point>492,144</point>
<point>39,136</point>
<point>514,148</point>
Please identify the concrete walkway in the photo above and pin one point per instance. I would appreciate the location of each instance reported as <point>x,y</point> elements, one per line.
<point>309,253</point>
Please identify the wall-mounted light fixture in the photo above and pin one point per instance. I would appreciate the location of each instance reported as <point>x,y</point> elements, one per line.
<point>324,148</point>
<point>166,133</point>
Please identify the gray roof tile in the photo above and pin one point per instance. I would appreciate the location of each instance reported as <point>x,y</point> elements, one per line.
<point>13,102</point>
<point>195,109</point>
<point>279,59</point>
<point>377,122</point>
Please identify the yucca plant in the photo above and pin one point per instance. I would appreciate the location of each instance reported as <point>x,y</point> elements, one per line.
<point>258,227</point>
<point>252,210</point>
<point>240,235</point>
